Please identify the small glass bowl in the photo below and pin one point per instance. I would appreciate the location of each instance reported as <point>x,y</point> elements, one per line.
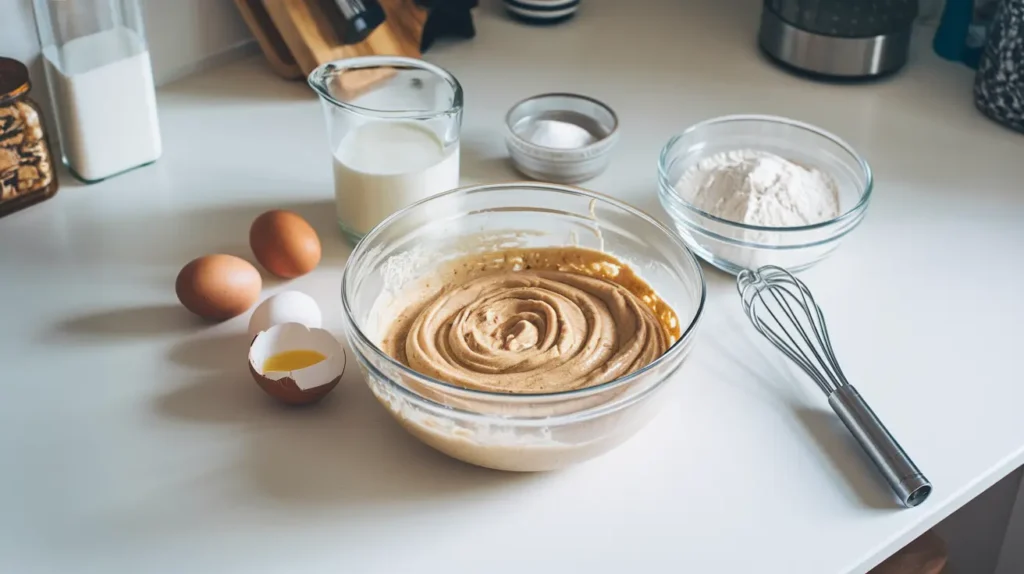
<point>561,165</point>
<point>733,246</point>
<point>515,432</point>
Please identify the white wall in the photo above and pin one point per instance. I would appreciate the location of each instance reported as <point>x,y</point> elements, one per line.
<point>183,35</point>
<point>17,30</point>
<point>186,35</point>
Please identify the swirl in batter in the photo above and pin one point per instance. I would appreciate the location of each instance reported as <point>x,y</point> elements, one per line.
<point>537,321</point>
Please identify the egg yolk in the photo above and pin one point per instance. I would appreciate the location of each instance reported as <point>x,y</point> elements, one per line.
<point>292,360</point>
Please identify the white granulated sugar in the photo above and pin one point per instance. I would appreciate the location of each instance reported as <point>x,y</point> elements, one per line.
<point>760,188</point>
<point>557,134</point>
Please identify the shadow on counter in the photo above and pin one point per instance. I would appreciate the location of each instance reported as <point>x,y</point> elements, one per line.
<point>344,451</point>
<point>171,243</point>
<point>130,322</point>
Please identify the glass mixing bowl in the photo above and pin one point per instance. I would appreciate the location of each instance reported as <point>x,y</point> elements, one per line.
<point>517,432</point>
<point>733,246</point>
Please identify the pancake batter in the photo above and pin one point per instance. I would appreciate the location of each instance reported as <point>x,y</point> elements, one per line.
<point>533,321</point>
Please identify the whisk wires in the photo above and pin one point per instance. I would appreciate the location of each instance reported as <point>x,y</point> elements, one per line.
<point>783,310</point>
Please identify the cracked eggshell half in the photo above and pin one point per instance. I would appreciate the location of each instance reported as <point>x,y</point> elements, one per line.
<point>301,386</point>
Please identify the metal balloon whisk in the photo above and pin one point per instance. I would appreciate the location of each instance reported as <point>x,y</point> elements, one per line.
<point>782,309</point>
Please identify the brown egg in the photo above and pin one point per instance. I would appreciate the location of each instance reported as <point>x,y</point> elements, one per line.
<point>284,243</point>
<point>218,286</point>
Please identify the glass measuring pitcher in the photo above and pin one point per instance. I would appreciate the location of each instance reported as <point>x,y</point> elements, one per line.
<point>393,128</point>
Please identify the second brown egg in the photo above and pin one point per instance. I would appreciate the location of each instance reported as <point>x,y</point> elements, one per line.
<point>285,243</point>
<point>218,287</point>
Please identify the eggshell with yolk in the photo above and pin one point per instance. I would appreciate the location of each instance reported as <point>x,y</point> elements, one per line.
<point>302,386</point>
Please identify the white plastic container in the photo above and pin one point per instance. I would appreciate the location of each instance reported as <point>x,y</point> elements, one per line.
<point>101,84</point>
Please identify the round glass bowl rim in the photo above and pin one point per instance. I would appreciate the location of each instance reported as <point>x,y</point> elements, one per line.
<point>668,189</point>
<point>366,245</point>
<point>570,95</point>
<point>317,80</point>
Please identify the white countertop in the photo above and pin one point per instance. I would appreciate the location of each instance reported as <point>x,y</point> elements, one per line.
<point>133,439</point>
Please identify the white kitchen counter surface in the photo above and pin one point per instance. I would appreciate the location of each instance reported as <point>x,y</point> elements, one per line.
<point>133,440</point>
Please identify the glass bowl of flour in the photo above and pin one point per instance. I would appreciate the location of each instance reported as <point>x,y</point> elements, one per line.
<point>748,190</point>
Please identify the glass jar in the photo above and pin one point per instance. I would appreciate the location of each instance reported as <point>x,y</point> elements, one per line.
<point>101,83</point>
<point>27,174</point>
<point>393,128</point>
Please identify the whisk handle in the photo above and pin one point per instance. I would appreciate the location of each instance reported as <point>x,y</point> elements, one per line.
<point>909,484</point>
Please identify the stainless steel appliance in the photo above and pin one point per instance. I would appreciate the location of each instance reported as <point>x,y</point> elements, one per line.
<point>838,38</point>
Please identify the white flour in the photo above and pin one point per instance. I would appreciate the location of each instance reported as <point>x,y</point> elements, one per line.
<point>760,188</point>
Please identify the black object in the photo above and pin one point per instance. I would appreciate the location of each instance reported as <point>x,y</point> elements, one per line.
<point>447,18</point>
<point>846,18</point>
<point>355,19</point>
<point>14,83</point>
<point>838,39</point>
<point>999,82</point>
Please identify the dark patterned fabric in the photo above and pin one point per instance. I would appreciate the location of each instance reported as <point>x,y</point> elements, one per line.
<point>999,84</point>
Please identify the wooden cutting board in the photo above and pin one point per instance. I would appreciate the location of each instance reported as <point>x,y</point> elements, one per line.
<point>311,40</point>
<point>274,48</point>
